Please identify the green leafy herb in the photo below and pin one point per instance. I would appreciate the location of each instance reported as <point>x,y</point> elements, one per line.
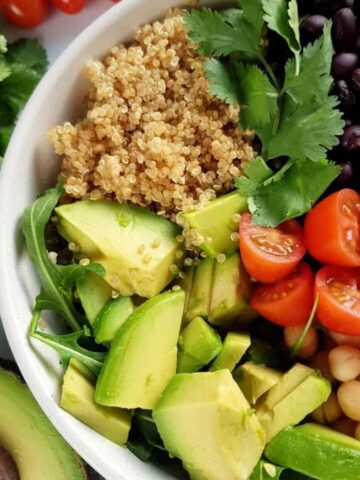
<point>56,280</point>
<point>147,426</point>
<point>262,352</point>
<point>223,81</point>
<point>300,340</point>
<point>287,194</point>
<point>68,346</point>
<point>22,64</point>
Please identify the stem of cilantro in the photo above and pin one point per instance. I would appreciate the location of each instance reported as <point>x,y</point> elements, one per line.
<point>299,342</point>
<point>269,71</point>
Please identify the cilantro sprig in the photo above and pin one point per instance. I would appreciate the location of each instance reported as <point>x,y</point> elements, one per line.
<point>22,64</point>
<point>291,112</point>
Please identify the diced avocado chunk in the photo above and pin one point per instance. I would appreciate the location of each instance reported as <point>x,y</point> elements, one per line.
<point>93,292</point>
<point>200,295</point>
<point>216,222</point>
<point>77,398</point>
<point>230,293</point>
<point>136,246</point>
<point>255,380</point>
<point>186,284</point>
<point>316,451</point>
<point>204,419</point>
<point>143,354</point>
<point>27,435</point>
<point>234,348</point>
<point>111,317</point>
<point>299,392</point>
<point>198,345</point>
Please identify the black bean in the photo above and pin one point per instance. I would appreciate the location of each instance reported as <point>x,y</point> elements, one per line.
<point>327,7</point>
<point>355,80</point>
<point>351,138</point>
<point>312,27</point>
<point>344,30</point>
<point>346,96</point>
<point>346,171</point>
<point>343,65</point>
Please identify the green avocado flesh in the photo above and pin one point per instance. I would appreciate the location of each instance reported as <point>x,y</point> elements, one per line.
<point>38,451</point>
<point>136,246</point>
<point>111,317</point>
<point>298,393</point>
<point>200,294</point>
<point>77,398</point>
<point>93,292</point>
<point>143,354</point>
<point>215,221</point>
<point>204,419</point>
<point>198,345</point>
<point>317,451</point>
<point>255,380</point>
<point>230,294</point>
<point>234,348</point>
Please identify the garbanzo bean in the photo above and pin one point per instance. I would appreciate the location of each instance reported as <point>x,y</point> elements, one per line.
<point>344,362</point>
<point>344,425</point>
<point>309,344</point>
<point>348,396</point>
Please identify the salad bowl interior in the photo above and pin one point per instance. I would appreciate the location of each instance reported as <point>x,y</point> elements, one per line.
<point>29,168</point>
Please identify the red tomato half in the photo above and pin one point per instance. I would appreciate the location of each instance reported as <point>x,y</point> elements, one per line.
<point>332,230</point>
<point>69,6</point>
<point>287,302</point>
<point>25,13</point>
<point>270,254</point>
<point>339,299</point>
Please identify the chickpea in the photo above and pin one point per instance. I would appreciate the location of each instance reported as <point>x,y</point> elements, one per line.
<point>348,396</point>
<point>309,344</point>
<point>320,361</point>
<point>341,339</point>
<point>344,362</point>
<point>357,432</point>
<point>329,412</point>
<point>345,426</point>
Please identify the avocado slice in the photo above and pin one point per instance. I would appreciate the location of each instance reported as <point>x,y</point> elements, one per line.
<point>299,392</point>
<point>230,294</point>
<point>111,317</point>
<point>204,419</point>
<point>185,284</point>
<point>77,398</point>
<point>136,246</point>
<point>234,348</point>
<point>316,451</point>
<point>200,294</point>
<point>255,380</point>
<point>93,292</point>
<point>142,356</point>
<point>26,434</point>
<point>198,345</point>
<point>216,222</point>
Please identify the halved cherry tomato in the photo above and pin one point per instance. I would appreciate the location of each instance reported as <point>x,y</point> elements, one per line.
<point>287,302</point>
<point>25,13</point>
<point>332,230</point>
<point>269,254</point>
<point>69,6</point>
<point>339,299</point>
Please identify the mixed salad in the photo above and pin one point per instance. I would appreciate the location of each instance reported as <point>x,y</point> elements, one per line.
<point>239,355</point>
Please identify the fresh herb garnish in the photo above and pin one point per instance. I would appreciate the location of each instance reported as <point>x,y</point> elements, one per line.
<point>22,64</point>
<point>300,340</point>
<point>292,113</point>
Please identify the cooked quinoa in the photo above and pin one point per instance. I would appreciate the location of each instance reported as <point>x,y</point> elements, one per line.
<point>153,134</point>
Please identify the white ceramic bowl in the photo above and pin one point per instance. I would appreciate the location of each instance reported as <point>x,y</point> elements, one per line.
<point>29,168</point>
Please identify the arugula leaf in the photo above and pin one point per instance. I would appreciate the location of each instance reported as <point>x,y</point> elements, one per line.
<point>291,192</point>
<point>55,279</point>
<point>217,36</point>
<point>283,18</point>
<point>308,133</point>
<point>258,94</point>
<point>223,83</point>
<point>255,173</point>
<point>314,79</point>
<point>68,346</point>
<point>147,426</point>
<point>266,471</point>
<point>138,445</point>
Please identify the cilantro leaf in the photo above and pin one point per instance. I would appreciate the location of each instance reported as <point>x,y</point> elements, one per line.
<point>258,94</point>
<point>308,133</point>
<point>255,173</point>
<point>4,69</point>
<point>223,84</point>
<point>16,89</point>
<point>291,192</point>
<point>30,54</point>
<point>254,13</point>
<point>217,36</point>
<point>56,280</point>
<point>3,44</point>
<point>314,79</point>
<point>283,18</point>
